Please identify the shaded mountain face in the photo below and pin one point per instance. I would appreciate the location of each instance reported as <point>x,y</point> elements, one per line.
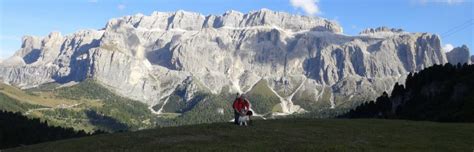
<point>459,55</point>
<point>299,59</point>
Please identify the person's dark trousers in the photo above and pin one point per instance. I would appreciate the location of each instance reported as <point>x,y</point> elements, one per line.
<point>236,117</point>
<point>250,120</point>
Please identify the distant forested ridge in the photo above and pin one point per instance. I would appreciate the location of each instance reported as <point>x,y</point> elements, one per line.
<point>17,130</point>
<point>442,93</point>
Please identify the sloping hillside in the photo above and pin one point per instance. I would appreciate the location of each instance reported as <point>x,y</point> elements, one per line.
<point>17,130</point>
<point>85,106</point>
<point>282,135</point>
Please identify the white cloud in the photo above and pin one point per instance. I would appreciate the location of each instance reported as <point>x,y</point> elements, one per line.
<point>354,27</point>
<point>310,7</point>
<point>121,6</point>
<point>450,2</point>
<point>454,1</point>
<point>448,47</point>
<point>4,54</point>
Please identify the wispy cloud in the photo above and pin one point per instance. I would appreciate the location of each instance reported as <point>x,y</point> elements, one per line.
<point>1,55</point>
<point>310,7</point>
<point>5,54</point>
<point>449,2</point>
<point>448,47</point>
<point>121,6</point>
<point>354,27</point>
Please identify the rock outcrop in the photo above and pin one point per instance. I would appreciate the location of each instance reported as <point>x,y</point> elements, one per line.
<point>304,60</point>
<point>459,55</point>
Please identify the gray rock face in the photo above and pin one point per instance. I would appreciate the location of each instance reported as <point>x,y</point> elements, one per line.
<point>302,58</point>
<point>189,21</point>
<point>459,55</point>
<point>381,29</point>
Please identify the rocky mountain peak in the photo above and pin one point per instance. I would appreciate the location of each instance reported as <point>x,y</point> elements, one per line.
<point>381,29</point>
<point>52,38</point>
<point>382,32</point>
<point>30,42</point>
<point>232,12</point>
<point>459,55</point>
<point>183,20</point>
<point>159,58</point>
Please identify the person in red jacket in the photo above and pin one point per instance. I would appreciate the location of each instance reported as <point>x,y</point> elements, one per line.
<point>240,104</point>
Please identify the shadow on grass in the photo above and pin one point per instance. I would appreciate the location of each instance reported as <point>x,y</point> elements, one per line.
<point>105,122</point>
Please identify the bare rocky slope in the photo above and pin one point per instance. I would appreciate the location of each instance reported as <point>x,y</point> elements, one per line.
<point>306,62</point>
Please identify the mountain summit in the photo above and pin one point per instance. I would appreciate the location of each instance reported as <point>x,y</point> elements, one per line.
<point>301,63</point>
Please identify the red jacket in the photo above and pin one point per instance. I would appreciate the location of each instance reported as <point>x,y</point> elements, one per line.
<point>240,104</point>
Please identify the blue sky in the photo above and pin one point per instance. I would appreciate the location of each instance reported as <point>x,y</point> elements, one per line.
<point>452,19</point>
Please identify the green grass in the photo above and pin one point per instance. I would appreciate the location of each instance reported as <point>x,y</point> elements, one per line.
<point>33,96</point>
<point>99,108</point>
<point>277,108</point>
<point>87,89</point>
<point>205,111</point>
<point>170,115</point>
<point>44,87</point>
<point>116,108</point>
<point>175,104</point>
<point>263,99</point>
<point>9,104</point>
<point>308,101</point>
<point>282,135</point>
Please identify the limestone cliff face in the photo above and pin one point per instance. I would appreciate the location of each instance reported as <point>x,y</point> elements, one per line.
<point>302,58</point>
<point>459,55</point>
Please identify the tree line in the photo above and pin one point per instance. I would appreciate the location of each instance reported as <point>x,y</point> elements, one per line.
<point>443,93</point>
<point>17,130</point>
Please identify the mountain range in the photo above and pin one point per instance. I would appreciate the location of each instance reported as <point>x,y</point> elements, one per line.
<point>285,63</point>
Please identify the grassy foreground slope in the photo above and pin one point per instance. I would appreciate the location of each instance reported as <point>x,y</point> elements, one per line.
<point>282,135</point>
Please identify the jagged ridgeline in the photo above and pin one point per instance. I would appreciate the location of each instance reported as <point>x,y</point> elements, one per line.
<point>177,63</point>
<point>439,93</point>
